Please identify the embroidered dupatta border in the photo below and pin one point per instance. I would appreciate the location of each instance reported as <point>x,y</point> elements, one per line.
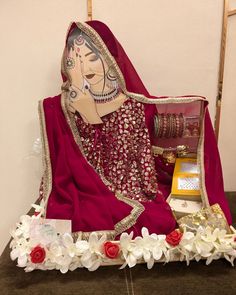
<point>47,170</point>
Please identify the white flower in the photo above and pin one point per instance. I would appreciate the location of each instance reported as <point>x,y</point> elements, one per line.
<point>215,237</point>
<point>146,247</point>
<point>64,261</point>
<point>30,267</point>
<point>187,241</point>
<point>202,247</point>
<point>144,244</point>
<point>23,228</point>
<point>223,247</point>
<point>69,244</point>
<point>54,251</point>
<point>161,247</point>
<point>20,252</point>
<point>186,246</point>
<point>39,209</point>
<point>58,254</point>
<point>49,265</point>
<point>230,256</point>
<point>92,257</point>
<point>214,256</point>
<point>75,263</point>
<point>81,247</point>
<point>129,250</point>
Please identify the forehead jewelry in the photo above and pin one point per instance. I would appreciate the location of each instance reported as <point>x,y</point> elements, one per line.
<point>79,40</point>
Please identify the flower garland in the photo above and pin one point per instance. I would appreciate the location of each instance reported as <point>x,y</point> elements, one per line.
<point>37,245</point>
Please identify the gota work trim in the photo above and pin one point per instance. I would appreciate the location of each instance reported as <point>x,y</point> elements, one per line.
<point>200,162</point>
<point>110,234</point>
<point>47,176</point>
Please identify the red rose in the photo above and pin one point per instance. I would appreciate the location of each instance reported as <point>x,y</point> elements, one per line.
<point>174,238</point>
<point>37,254</point>
<point>235,239</point>
<point>111,250</point>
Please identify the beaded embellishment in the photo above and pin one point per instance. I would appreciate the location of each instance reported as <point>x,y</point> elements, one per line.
<point>120,149</point>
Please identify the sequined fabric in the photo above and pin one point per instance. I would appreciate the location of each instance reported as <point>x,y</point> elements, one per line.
<point>212,216</point>
<point>120,149</point>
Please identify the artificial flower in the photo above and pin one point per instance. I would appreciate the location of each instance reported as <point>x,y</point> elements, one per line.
<point>174,238</point>
<point>111,250</point>
<point>130,251</point>
<point>37,254</point>
<point>37,245</point>
<point>92,258</point>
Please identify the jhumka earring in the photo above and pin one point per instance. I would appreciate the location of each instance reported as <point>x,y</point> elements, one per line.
<point>111,80</point>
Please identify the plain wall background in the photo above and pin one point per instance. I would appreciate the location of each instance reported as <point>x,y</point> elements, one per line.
<point>32,41</point>
<point>174,45</point>
<point>227,140</point>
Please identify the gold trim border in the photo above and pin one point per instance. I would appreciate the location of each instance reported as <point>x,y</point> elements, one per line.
<point>47,169</point>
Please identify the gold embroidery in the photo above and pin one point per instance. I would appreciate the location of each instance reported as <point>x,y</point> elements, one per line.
<point>200,163</point>
<point>212,217</point>
<point>47,176</point>
<point>110,234</point>
<point>126,157</point>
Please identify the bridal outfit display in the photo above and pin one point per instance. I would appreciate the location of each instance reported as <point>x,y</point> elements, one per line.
<point>100,171</point>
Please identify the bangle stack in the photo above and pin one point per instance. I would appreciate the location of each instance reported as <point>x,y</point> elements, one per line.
<point>169,125</point>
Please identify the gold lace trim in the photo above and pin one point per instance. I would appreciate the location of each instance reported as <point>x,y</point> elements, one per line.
<point>110,234</point>
<point>212,216</point>
<point>47,174</point>
<point>200,163</point>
